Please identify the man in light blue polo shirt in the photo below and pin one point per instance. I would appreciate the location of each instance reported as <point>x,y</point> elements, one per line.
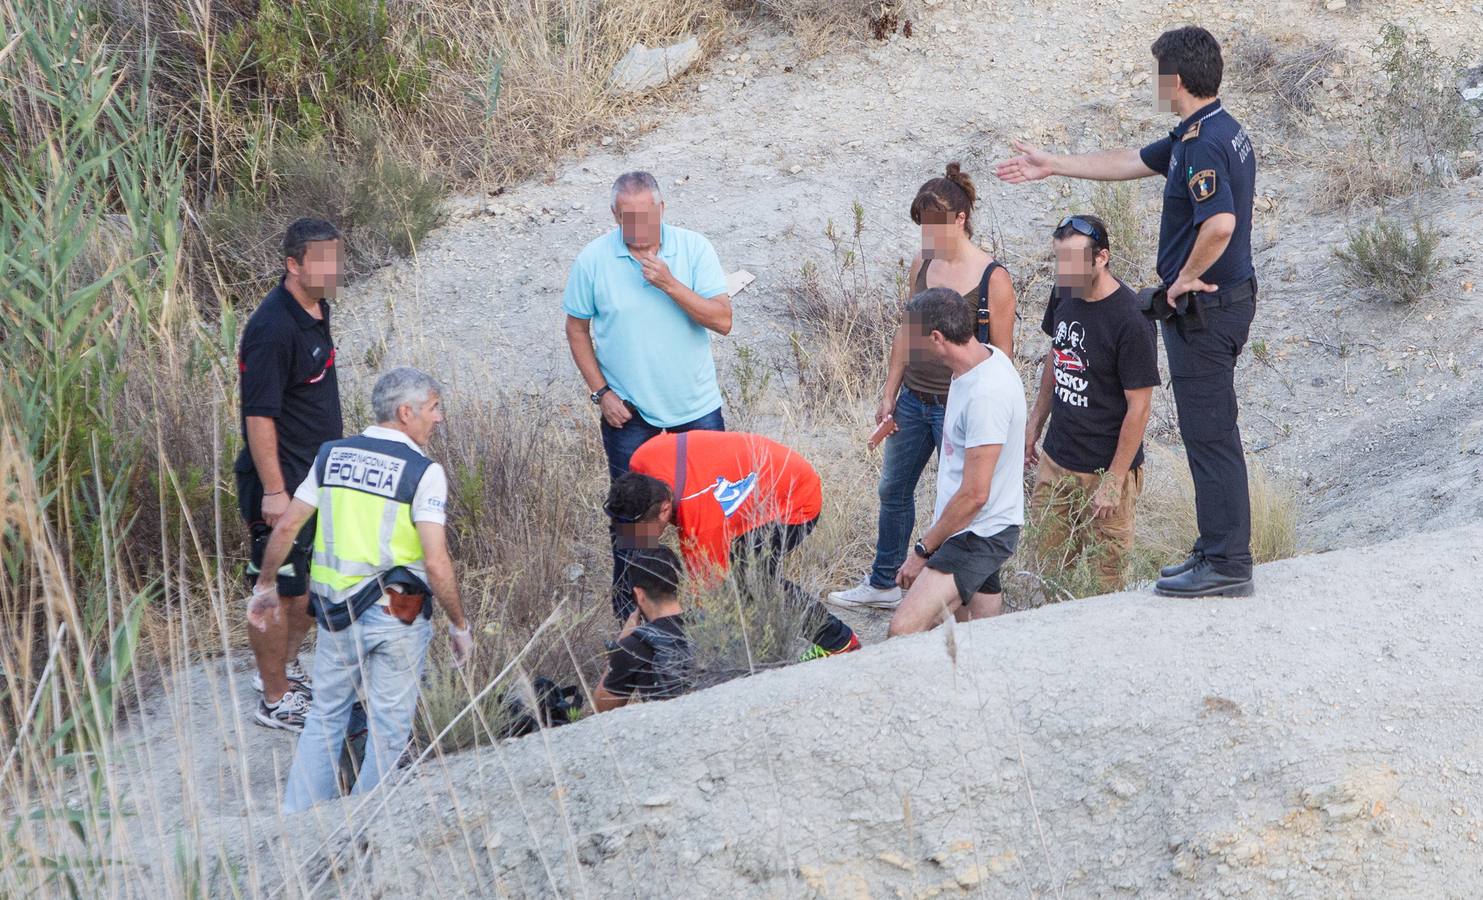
<point>641,302</point>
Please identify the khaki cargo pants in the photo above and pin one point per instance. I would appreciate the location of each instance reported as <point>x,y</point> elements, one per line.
<point>1062,500</point>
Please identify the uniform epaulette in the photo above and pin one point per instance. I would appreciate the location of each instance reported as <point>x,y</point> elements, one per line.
<point>1192,133</point>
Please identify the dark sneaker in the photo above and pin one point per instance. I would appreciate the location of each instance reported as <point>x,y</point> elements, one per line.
<point>814,651</point>
<point>1203,581</point>
<point>288,713</point>
<point>1180,568</point>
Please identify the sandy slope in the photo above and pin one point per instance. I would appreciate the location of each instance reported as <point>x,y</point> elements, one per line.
<point>1321,740</point>
<point>1368,407</point>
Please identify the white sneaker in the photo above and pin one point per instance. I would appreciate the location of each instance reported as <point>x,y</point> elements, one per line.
<point>288,713</point>
<point>294,671</point>
<point>298,679</point>
<point>867,596</point>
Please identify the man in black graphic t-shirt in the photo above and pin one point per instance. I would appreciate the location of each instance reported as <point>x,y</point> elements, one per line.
<point>1209,166</point>
<point>1096,388</point>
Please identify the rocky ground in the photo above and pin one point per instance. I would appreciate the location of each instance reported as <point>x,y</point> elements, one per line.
<point>1368,406</point>
<point>1321,740</point>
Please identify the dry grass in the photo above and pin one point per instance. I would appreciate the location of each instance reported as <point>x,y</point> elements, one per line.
<point>847,313</point>
<point>283,115</point>
<point>1288,67</point>
<point>821,25</point>
<point>1132,229</point>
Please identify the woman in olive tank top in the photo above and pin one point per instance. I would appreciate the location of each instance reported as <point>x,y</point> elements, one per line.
<point>915,392</point>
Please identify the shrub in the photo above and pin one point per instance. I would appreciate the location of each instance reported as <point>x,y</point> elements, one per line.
<point>820,25</point>
<point>1286,67</point>
<point>1386,259</point>
<point>1421,112</point>
<point>1418,129</point>
<point>1131,230</point>
<point>383,205</point>
<point>847,321</point>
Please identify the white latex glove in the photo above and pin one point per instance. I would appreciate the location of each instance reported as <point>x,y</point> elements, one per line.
<point>263,607</point>
<point>461,641</point>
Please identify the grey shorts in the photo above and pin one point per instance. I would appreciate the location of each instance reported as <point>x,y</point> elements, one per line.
<point>974,561</point>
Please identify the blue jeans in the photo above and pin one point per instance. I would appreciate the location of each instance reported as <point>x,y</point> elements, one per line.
<point>918,435</point>
<point>619,444</point>
<point>381,657</point>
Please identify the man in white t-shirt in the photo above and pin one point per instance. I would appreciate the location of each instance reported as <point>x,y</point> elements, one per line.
<point>954,568</point>
<point>380,550</point>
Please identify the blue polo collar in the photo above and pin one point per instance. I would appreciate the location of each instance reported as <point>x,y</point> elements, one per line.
<point>667,248</point>
<point>1195,117</point>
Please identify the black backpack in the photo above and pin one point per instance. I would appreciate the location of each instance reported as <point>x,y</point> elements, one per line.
<point>555,706</point>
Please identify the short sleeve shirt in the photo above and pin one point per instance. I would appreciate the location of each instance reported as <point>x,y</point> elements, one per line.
<point>734,482</point>
<point>985,405</point>
<point>1210,168</point>
<point>1099,349</point>
<point>287,373</point>
<point>650,351</point>
<point>429,503</point>
<point>631,669</point>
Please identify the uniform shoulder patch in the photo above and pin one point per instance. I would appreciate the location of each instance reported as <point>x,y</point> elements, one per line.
<point>1192,133</point>
<point>1202,185</point>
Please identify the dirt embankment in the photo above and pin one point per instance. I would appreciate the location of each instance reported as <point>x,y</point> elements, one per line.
<point>1320,740</point>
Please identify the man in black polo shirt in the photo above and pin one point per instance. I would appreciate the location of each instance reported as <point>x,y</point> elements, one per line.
<point>1096,390</point>
<point>290,405</point>
<point>1205,248</point>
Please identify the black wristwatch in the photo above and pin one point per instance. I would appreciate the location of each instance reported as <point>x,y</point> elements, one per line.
<point>920,549</point>
<point>596,396</point>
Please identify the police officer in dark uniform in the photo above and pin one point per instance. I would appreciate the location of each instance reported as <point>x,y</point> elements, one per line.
<point>1205,248</point>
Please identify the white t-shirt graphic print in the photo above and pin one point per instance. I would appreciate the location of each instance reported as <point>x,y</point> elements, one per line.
<point>986,405</point>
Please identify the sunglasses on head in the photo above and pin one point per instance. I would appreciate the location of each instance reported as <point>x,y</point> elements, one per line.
<point>622,518</point>
<point>1083,227</point>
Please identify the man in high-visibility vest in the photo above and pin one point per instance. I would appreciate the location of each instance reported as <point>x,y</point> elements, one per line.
<point>379,550</point>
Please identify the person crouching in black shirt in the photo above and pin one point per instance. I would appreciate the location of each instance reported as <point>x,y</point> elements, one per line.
<point>653,658</point>
<point>1096,389</point>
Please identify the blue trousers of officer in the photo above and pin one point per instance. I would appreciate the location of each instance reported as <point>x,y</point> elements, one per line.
<point>1202,367</point>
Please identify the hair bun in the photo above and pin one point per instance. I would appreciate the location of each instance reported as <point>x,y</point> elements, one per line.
<point>957,176</point>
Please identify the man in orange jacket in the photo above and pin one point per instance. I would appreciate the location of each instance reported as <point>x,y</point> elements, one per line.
<point>736,499</point>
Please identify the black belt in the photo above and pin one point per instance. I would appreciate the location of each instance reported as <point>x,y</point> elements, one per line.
<point>929,399</point>
<point>1227,296</point>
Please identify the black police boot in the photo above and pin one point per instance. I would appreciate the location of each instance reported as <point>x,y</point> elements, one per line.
<point>1180,568</point>
<point>1203,581</point>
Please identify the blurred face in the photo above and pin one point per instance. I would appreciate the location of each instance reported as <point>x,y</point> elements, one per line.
<point>648,532</point>
<point>1077,264</point>
<point>940,230</point>
<point>920,347</point>
<point>639,217</point>
<point>1164,88</point>
<point>322,271</point>
<point>422,419</point>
